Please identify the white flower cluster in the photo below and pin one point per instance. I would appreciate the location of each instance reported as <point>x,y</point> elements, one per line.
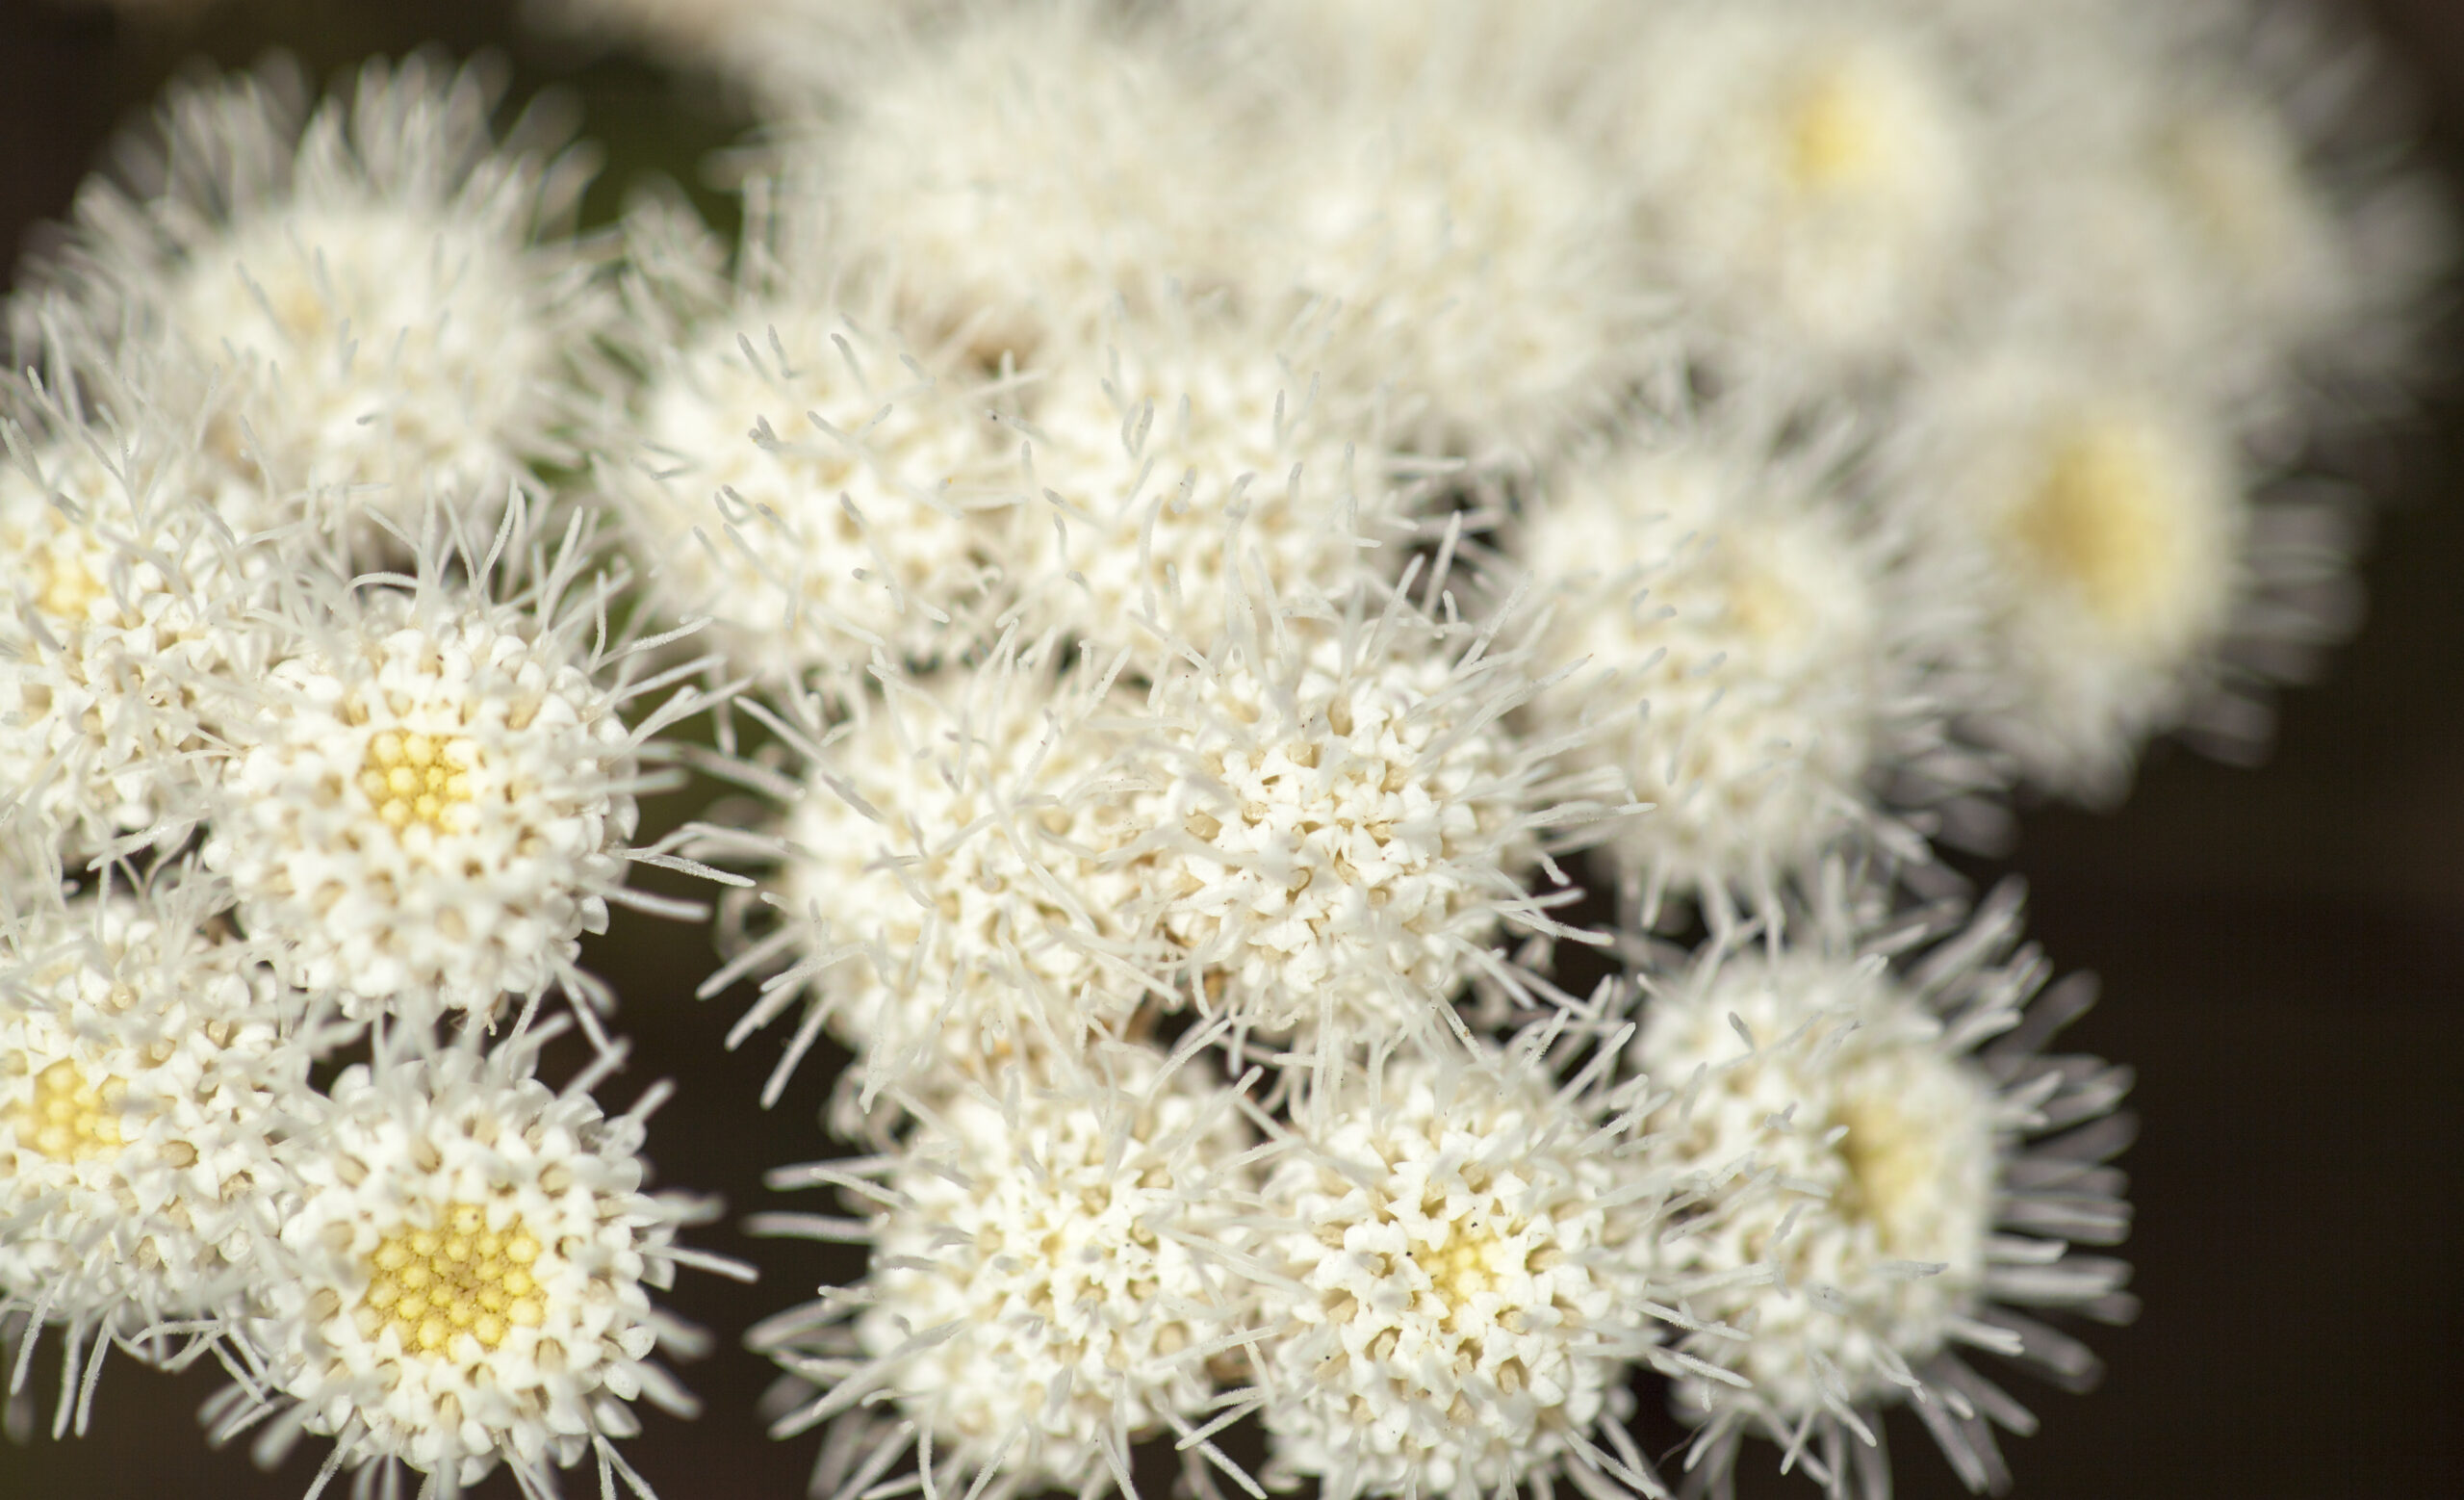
<point>1231,515</point>
<point>1236,510</point>
<point>327,724</point>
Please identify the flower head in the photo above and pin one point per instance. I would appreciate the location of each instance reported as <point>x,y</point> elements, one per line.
<point>811,486</point>
<point>2100,523</point>
<point>1808,184</point>
<point>2212,191</point>
<point>1789,657</point>
<point>1934,1183</point>
<point>1008,177</point>
<point>123,600</point>
<point>150,1067</point>
<point>1050,1276</point>
<point>1186,463</point>
<point>1462,1277</point>
<point>431,795</point>
<point>1331,826</point>
<point>938,881</point>
<point>385,290</point>
<point>465,1275</point>
<point>1473,256</point>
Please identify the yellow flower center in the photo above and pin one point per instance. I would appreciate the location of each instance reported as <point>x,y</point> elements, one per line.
<point>414,778</point>
<point>432,1284</point>
<point>1459,1269</point>
<point>65,587</point>
<point>1891,1163</point>
<point>1762,607</point>
<point>1836,140</point>
<point>2099,520</point>
<point>70,1119</point>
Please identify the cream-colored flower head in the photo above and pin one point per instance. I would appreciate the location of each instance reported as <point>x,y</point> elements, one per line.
<point>1331,825</point>
<point>1473,256</point>
<point>1053,1276</point>
<point>939,886</point>
<point>1896,1090</point>
<point>386,293</point>
<point>124,598</point>
<point>2101,521</point>
<point>148,1066</point>
<point>431,794</point>
<point>465,1275</point>
<point>1806,183</point>
<point>1459,1280</point>
<point>1010,176</point>
<point>800,478</point>
<point>2216,192</point>
<point>1788,657</point>
<point>1185,462</point>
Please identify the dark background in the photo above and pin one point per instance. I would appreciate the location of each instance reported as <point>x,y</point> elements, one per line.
<point>2282,951</point>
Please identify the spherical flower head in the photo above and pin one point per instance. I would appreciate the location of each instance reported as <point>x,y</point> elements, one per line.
<point>124,601</point>
<point>2214,198</point>
<point>1893,1131</point>
<point>940,885</point>
<point>432,801</point>
<point>2232,174</point>
<point>1178,468</point>
<point>465,1277</point>
<point>2102,523</point>
<point>1720,578</point>
<point>148,1071</point>
<point>1898,1125</point>
<point>1474,258</point>
<point>813,490</point>
<point>1011,176</point>
<point>1332,825</point>
<point>1807,187</point>
<point>380,286</point>
<point>1047,1281</point>
<point>1461,1280</point>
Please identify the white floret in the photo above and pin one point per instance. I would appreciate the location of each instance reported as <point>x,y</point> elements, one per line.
<point>2099,517</point>
<point>1806,183</point>
<point>2205,189</point>
<point>1471,255</point>
<point>1894,1132</point>
<point>813,488</point>
<point>1331,824</point>
<point>148,1069</point>
<point>383,291</point>
<point>1050,1280</point>
<point>1011,177</point>
<point>1896,1095</point>
<point>431,795</point>
<point>122,600</point>
<point>1789,655</point>
<point>464,1277</point>
<point>938,882</point>
<point>1182,465</point>
<point>1462,1279</point>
